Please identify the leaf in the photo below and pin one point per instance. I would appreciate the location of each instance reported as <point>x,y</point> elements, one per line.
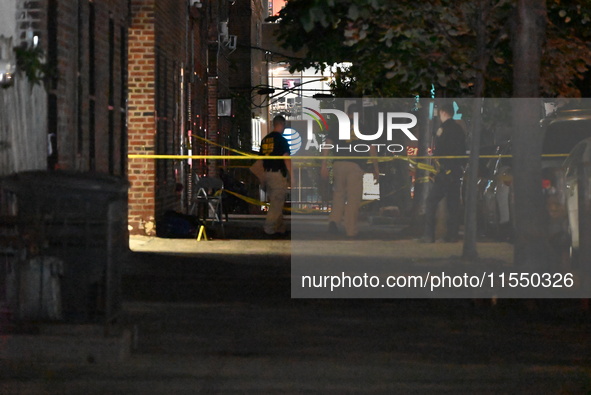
<point>434,40</point>
<point>388,35</point>
<point>498,60</point>
<point>581,67</point>
<point>353,12</point>
<point>442,79</point>
<point>307,23</point>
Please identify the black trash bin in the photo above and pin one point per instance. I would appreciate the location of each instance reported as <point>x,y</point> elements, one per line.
<point>81,219</point>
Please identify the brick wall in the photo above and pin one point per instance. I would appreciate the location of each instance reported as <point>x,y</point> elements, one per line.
<point>142,113</point>
<point>86,111</point>
<point>218,128</point>
<point>128,81</point>
<point>247,63</point>
<point>199,86</point>
<point>158,63</point>
<point>172,58</point>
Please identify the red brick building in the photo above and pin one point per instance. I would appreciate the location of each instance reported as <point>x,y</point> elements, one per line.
<point>84,46</point>
<point>187,63</point>
<point>157,61</point>
<point>178,69</point>
<point>146,77</point>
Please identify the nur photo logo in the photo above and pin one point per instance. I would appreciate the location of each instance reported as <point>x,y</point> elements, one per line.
<point>351,135</point>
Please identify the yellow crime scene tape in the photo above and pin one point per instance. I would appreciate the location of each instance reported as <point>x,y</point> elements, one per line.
<point>246,156</point>
<point>221,146</point>
<point>378,158</point>
<point>257,202</point>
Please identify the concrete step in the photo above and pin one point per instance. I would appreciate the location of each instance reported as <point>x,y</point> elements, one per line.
<point>68,343</point>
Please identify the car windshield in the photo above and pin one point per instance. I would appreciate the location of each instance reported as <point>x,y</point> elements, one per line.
<point>579,155</point>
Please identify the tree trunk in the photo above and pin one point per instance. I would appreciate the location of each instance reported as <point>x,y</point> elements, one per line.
<point>530,28</point>
<point>469,252</point>
<point>528,40</point>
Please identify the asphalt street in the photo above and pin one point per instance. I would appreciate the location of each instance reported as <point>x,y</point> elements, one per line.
<point>217,317</point>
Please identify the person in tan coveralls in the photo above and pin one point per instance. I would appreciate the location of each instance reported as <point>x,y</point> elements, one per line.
<point>348,183</point>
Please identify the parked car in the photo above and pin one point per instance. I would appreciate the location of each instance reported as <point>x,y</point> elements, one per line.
<point>576,164</point>
<point>563,131</point>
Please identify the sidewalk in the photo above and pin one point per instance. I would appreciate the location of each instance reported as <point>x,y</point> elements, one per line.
<point>244,236</point>
<point>217,317</point>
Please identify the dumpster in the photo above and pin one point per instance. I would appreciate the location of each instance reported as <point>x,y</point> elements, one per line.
<point>34,288</point>
<point>79,220</point>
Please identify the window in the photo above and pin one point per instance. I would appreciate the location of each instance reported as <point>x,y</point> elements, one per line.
<point>256,134</point>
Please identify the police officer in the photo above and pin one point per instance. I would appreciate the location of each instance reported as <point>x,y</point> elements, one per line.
<point>450,140</point>
<point>276,171</point>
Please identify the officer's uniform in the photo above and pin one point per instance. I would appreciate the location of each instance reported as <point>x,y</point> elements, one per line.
<point>450,141</point>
